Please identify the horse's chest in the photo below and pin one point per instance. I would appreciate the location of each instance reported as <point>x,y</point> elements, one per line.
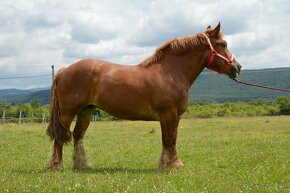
<point>182,104</point>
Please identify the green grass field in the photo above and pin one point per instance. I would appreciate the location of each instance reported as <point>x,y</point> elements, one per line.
<point>220,155</point>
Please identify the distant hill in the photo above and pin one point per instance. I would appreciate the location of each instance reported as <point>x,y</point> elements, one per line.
<point>219,88</point>
<point>208,87</point>
<point>18,96</point>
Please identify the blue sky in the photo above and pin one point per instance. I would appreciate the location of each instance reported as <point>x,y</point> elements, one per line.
<point>35,34</point>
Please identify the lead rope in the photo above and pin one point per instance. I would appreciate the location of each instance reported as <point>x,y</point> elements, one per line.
<point>261,86</point>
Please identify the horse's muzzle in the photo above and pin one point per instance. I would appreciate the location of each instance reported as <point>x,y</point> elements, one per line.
<point>235,71</point>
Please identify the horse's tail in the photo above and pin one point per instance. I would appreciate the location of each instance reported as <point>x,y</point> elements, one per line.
<point>55,129</point>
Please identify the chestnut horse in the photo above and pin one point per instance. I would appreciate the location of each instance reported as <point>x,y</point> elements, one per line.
<point>156,89</point>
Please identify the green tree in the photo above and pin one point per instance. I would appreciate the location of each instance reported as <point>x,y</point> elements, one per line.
<point>284,104</point>
<point>34,103</point>
<point>26,109</point>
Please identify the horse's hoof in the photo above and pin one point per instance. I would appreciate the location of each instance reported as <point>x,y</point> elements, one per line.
<point>82,167</point>
<point>177,164</point>
<point>55,166</point>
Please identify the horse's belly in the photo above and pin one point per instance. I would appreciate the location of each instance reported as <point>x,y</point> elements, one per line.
<point>127,108</point>
<point>131,113</point>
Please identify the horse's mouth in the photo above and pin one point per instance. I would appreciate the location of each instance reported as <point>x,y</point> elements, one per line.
<point>235,71</point>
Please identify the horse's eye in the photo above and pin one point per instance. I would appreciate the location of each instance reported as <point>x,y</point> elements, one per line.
<point>225,45</point>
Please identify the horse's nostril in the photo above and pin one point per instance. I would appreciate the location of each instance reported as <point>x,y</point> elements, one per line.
<point>238,68</point>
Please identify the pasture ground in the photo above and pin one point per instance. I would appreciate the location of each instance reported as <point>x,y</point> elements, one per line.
<point>220,155</point>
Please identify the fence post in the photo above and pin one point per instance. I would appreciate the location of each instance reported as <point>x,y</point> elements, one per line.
<point>31,118</point>
<point>52,73</point>
<point>20,116</point>
<point>3,116</point>
<point>43,118</point>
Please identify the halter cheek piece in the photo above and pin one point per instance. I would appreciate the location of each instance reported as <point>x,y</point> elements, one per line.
<point>215,53</point>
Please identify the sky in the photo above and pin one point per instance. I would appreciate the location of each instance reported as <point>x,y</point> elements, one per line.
<point>36,34</point>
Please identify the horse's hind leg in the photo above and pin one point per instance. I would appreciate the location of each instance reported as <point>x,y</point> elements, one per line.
<point>83,121</point>
<point>55,162</point>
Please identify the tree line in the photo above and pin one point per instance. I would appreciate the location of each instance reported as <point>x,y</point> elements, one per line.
<point>34,112</point>
<point>259,107</point>
<point>24,113</point>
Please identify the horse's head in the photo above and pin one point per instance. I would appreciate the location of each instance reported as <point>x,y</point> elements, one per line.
<point>221,59</point>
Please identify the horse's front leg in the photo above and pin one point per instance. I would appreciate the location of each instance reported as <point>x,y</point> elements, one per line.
<point>169,123</point>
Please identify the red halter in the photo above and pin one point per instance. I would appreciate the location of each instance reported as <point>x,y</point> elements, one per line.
<point>215,53</point>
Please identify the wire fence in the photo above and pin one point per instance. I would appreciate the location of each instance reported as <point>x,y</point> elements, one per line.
<point>21,77</point>
<point>43,118</point>
<point>21,118</point>
<point>26,75</point>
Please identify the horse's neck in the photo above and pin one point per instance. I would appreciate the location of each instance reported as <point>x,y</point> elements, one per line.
<point>185,67</point>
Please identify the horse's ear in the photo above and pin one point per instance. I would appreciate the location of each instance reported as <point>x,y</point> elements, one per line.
<point>208,27</point>
<point>216,30</point>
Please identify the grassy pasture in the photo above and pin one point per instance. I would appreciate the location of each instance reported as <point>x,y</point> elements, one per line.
<point>220,155</point>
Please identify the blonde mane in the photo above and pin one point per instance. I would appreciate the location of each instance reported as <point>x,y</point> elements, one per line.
<point>177,46</point>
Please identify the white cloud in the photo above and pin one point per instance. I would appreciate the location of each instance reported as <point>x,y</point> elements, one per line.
<point>41,33</point>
